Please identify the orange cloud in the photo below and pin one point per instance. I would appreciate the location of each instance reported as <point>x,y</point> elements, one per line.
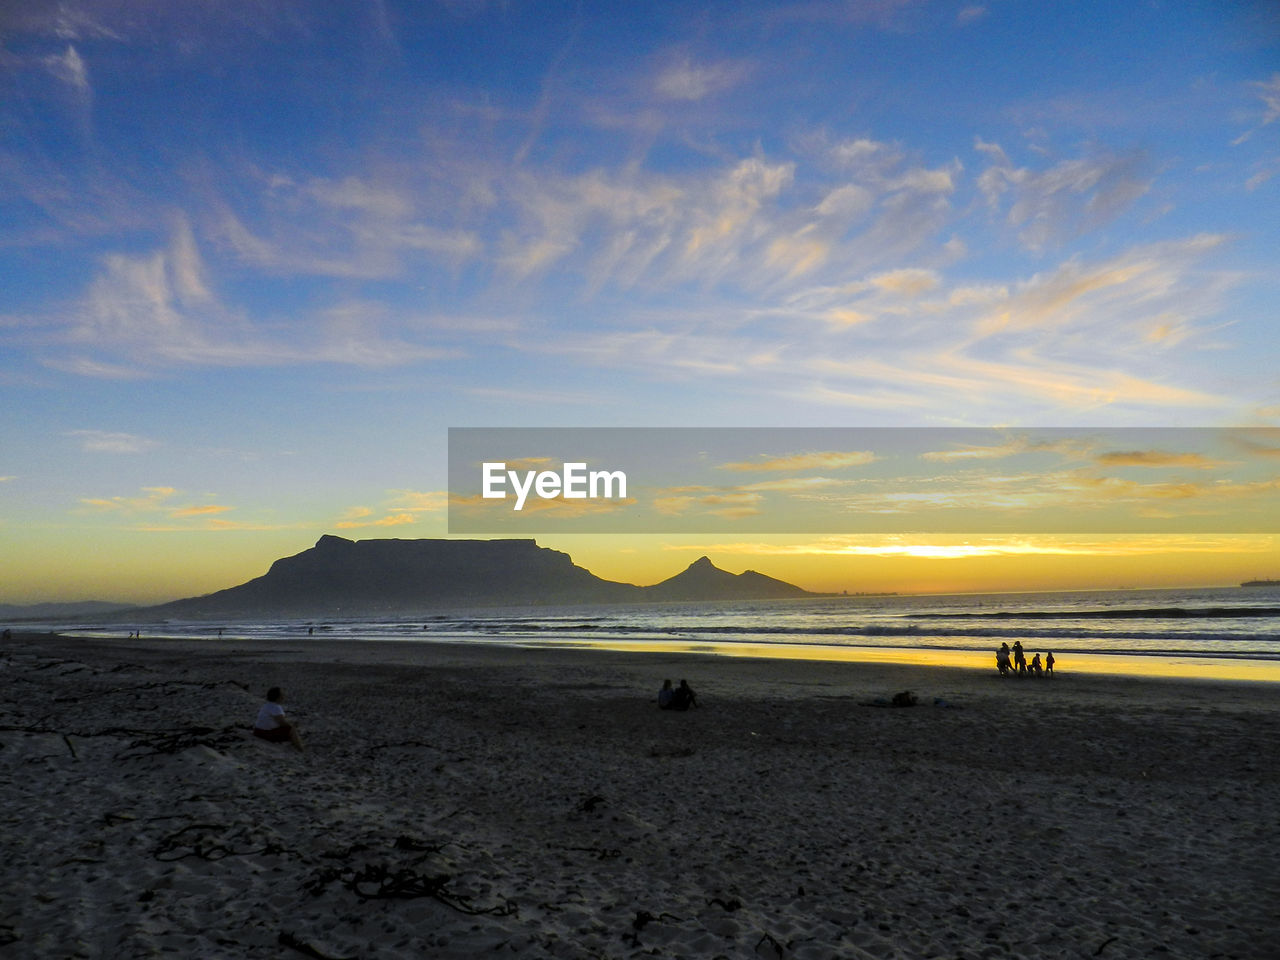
<point>806,461</point>
<point>561,506</point>
<point>154,500</point>
<point>1156,458</point>
<point>200,511</point>
<point>391,520</point>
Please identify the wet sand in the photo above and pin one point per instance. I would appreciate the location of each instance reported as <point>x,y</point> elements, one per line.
<point>460,800</point>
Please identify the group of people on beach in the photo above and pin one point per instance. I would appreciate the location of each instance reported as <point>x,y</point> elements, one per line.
<point>271,725</point>
<point>1018,666</point>
<point>676,698</point>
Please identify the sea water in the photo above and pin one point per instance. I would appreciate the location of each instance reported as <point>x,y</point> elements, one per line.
<point>1234,623</point>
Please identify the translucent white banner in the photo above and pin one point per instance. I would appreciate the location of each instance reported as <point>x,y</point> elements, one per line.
<point>864,480</point>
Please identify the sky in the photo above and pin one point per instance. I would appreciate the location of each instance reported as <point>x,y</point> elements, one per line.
<point>258,256</point>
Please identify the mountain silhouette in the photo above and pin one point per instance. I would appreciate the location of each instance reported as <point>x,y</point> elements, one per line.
<point>340,577</point>
<point>703,580</point>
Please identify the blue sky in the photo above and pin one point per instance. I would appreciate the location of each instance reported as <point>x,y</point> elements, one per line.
<point>257,257</point>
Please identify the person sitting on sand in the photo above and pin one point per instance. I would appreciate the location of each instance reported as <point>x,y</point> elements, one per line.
<point>665,695</point>
<point>684,697</point>
<point>1048,663</point>
<point>1035,665</point>
<point>271,724</point>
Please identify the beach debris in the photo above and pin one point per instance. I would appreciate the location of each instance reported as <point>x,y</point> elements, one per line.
<point>729,906</point>
<point>659,750</point>
<point>588,804</point>
<point>402,743</point>
<point>151,742</point>
<point>168,686</point>
<point>208,841</point>
<point>641,920</point>
<point>144,742</point>
<point>771,941</point>
<point>287,939</point>
<point>1105,943</point>
<point>377,881</point>
<point>406,842</point>
<point>600,853</point>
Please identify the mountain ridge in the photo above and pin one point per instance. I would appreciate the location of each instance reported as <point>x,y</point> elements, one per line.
<point>341,577</point>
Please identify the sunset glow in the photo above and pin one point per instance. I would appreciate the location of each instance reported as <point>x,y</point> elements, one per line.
<point>257,259</point>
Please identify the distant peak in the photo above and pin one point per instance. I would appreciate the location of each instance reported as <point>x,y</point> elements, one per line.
<point>329,540</point>
<point>702,563</point>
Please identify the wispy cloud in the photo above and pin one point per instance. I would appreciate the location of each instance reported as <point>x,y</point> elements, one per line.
<point>683,79</point>
<point>69,67</point>
<point>400,508</point>
<point>1156,458</point>
<point>103,441</point>
<point>1266,167</point>
<point>826,459</point>
<point>717,504</point>
<point>1069,449</point>
<point>201,510</point>
<point>153,510</point>
<point>353,227</point>
<point>1047,207</point>
<point>559,507</point>
<point>387,520</point>
<point>159,310</point>
<point>1268,92</point>
<point>153,498</point>
<point>971,548</point>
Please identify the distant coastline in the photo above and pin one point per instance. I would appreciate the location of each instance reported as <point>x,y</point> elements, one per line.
<point>1261,583</point>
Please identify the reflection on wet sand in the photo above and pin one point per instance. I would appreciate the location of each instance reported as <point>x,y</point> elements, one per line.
<point>1131,665</point>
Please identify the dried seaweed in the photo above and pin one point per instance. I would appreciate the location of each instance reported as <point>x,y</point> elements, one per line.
<point>377,881</point>
<point>210,841</point>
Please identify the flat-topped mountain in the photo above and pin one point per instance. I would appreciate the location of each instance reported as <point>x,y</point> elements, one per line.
<point>339,577</point>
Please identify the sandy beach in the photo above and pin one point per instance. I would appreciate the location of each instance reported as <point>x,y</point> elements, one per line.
<point>467,800</point>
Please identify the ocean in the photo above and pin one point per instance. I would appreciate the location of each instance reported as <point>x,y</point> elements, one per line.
<point>1153,631</point>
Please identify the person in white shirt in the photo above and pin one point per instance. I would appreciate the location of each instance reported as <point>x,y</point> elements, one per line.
<point>271,724</point>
